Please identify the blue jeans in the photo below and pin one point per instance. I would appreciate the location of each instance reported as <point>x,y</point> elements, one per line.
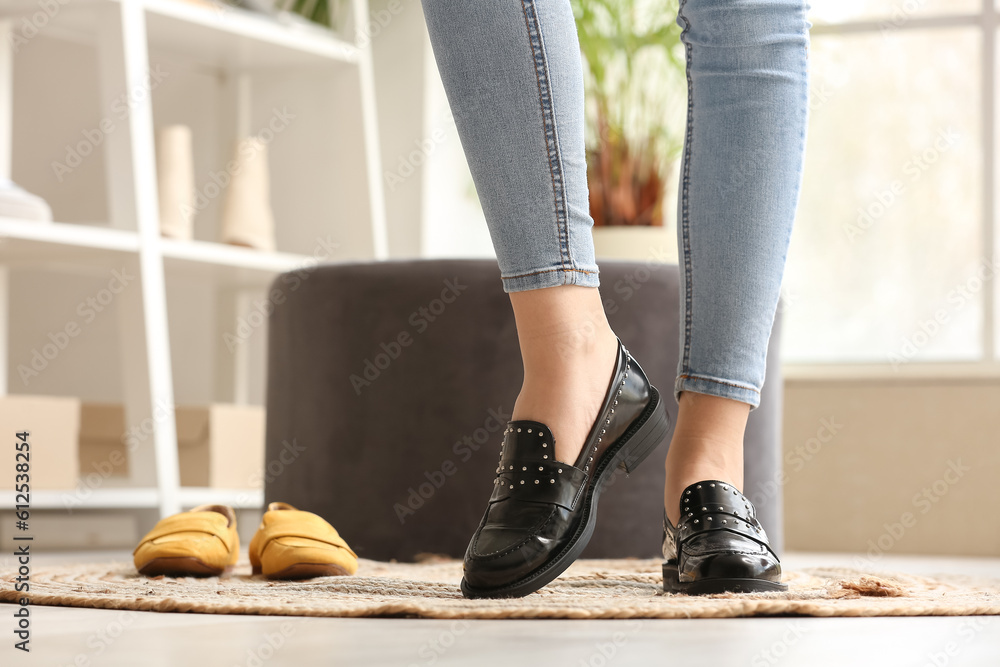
<point>514,78</point>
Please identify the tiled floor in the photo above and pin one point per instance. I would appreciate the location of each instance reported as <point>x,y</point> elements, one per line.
<point>82,637</point>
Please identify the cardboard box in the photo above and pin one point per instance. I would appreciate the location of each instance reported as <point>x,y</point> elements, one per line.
<point>102,426</point>
<point>221,446</point>
<point>54,426</point>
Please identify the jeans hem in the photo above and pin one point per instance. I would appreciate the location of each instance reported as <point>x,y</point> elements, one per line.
<point>555,277</point>
<point>716,387</point>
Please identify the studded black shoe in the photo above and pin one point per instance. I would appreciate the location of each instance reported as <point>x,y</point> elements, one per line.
<point>718,545</point>
<point>542,512</point>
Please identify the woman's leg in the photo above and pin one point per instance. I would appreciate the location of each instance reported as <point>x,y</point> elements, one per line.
<point>514,79</point>
<point>747,108</point>
<point>513,73</point>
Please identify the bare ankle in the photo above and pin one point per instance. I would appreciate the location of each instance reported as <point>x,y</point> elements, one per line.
<point>707,445</point>
<point>568,350</point>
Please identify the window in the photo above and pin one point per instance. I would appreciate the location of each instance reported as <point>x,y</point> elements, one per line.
<point>892,255</point>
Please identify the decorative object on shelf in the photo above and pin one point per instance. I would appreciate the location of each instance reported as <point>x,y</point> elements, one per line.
<point>211,4</point>
<point>175,181</point>
<point>247,219</point>
<point>18,203</point>
<point>632,139</point>
<point>309,15</point>
<point>327,13</point>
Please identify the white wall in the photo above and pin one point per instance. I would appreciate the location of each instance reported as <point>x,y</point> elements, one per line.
<point>432,206</point>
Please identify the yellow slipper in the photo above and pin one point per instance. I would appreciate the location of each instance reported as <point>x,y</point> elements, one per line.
<point>292,544</point>
<point>200,543</point>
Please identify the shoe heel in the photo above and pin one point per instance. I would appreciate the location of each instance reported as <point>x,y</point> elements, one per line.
<point>649,436</point>
<point>671,584</point>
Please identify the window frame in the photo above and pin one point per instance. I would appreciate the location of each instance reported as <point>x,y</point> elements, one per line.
<point>988,364</point>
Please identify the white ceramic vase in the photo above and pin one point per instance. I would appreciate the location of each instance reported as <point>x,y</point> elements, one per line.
<point>247,219</point>
<point>175,181</point>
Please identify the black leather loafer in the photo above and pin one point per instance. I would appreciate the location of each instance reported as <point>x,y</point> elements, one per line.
<point>542,512</point>
<point>718,545</point>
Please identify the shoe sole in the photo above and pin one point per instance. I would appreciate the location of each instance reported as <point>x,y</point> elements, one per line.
<point>672,584</point>
<point>181,566</point>
<point>305,571</point>
<point>631,449</point>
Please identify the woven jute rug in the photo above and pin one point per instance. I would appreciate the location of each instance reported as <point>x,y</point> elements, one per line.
<point>589,589</point>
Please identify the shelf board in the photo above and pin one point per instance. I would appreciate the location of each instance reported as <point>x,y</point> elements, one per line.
<point>213,35</point>
<point>76,235</point>
<point>237,498</point>
<point>226,263</point>
<point>103,498</point>
<point>35,244</point>
<point>235,38</point>
<point>136,498</point>
<point>40,244</point>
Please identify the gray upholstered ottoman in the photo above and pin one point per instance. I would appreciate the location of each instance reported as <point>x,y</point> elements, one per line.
<point>389,385</point>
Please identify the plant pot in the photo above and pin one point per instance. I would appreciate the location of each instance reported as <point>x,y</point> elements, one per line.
<point>637,243</point>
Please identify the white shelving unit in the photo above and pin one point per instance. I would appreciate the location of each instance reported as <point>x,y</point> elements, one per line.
<point>240,46</point>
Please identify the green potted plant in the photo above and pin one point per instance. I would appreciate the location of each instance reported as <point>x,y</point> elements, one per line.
<point>317,11</point>
<point>636,99</point>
